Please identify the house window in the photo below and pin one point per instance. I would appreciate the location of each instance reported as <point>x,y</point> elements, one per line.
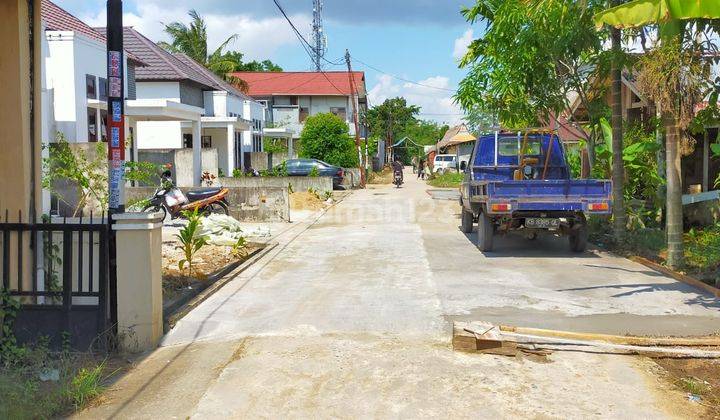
<point>103,88</point>
<point>103,125</point>
<point>92,124</point>
<point>340,112</point>
<point>304,114</point>
<point>257,143</point>
<point>188,141</point>
<point>206,141</point>
<point>90,86</point>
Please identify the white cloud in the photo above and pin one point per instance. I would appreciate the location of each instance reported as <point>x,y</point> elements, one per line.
<point>258,38</point>
<point>436,104</point>
<point>462,44</point>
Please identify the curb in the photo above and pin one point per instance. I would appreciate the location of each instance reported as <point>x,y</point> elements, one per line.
<point>683,278</point>
<point>225,276</point>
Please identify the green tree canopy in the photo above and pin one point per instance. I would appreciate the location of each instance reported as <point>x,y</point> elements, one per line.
<point>390,119</point>
<point>533,53</point>
<point>192,40</point>
<point>325,137</point>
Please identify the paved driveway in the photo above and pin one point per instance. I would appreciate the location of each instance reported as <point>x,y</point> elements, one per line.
<point>351,317</point>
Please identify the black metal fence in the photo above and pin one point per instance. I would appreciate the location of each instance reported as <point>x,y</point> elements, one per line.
<point>59,271</point>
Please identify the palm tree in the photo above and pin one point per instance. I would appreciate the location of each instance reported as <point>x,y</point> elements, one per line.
<point>618,169</point>
<point>669,15</point>
<point>192,41</point>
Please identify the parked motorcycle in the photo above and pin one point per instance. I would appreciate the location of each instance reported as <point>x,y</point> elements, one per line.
<point>170,200</point>
<point>397,179</point>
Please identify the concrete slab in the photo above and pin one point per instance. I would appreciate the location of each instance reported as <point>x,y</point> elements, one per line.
<point>350,316</point>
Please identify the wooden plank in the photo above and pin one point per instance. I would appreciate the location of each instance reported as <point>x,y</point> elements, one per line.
<point>616,339</point>
<point>481,337</point>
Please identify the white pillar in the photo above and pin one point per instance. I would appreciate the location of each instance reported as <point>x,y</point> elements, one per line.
<point>230,161</point>
<point>197,152</point>
<point>290,147</point>
<point>242,150</point>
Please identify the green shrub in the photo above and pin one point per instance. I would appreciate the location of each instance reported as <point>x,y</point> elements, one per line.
<point>325,137</point>
<point>190,240</point>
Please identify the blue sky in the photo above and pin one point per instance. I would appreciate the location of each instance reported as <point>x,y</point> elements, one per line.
<point>418,40</point>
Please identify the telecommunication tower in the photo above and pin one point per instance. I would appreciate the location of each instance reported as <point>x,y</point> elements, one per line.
<point>318,35</point>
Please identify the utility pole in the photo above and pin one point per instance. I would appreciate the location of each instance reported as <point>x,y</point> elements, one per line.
<point>116,106</point>
<point>318,36</point>
<point>353,98</point>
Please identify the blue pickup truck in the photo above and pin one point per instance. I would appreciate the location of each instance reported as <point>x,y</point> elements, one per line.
<point>521,182</point>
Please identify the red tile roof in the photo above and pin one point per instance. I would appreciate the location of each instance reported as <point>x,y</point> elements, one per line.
<point>330,83</point>
<point>57,19</point>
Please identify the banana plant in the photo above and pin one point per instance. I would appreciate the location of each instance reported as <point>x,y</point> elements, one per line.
<point>670,16</point>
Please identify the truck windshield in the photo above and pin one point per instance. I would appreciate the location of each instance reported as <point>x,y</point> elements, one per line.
<point>509,146</point>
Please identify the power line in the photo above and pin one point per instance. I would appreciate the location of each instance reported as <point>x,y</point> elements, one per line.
<point>402,78</point>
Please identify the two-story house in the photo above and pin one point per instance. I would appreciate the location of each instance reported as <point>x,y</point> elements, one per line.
<point>182,105</point>
<point>75,71</point>
<point>291,97</point>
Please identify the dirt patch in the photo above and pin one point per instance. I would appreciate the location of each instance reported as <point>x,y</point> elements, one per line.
<point>306,201</point>
<point>209,259</point>
<point>384,177</point>
<point>698,378</point>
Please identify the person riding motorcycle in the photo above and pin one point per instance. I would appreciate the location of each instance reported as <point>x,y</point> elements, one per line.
<point>398,168</point>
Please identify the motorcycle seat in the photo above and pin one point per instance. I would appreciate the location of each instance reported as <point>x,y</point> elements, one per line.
<point>202,194</point>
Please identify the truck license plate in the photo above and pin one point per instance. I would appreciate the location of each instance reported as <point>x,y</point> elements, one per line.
<point>542,223</point>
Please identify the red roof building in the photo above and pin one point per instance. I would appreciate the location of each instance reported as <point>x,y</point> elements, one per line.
<point>329,83</point>
<point>291,97</point>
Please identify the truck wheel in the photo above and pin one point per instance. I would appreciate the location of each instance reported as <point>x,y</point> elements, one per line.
<point>466,221</point>
<point>578,239</point>
<point>485,233</point>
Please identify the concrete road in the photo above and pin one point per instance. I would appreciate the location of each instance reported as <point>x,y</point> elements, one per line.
<point>350,316</point>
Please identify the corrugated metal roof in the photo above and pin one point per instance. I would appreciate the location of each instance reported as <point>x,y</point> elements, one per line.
<point>220,84</point>
<point>159,64</point>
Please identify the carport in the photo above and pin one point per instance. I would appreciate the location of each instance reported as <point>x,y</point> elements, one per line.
<point>166,110</point>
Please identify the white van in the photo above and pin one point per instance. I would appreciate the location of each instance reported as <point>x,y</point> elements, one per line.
<point>445,163</point>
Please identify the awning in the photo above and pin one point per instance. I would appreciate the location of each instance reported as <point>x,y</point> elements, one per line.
<point>161,110</point>
<point>223,122</point>
<point>459,138</point>
<point>280,132</point>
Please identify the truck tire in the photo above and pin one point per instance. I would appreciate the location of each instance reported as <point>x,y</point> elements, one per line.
<point>485,233</point>
<point>466,221</point>
<point>578,239</point>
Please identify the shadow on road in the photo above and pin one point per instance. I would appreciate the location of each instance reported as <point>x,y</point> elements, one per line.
<point>698,297</point>
<point>514,245</point>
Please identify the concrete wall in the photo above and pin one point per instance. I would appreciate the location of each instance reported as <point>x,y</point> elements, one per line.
<point>159,135</point>
<point>181,161</point>
<point>259,160</point>
<point>258,203</point>
<point>191,94</point>
<point>298,183</point>
<point>19,150</point>
<point>704,213</point>
<point>158,90</point>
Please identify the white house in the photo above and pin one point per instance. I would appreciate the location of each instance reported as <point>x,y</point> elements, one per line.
<point>75,69</point>
<point>182,105</point>
<point>291,97</point>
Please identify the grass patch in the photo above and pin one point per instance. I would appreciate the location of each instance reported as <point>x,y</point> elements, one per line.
<point>448,180</point>
<point>45,384</point>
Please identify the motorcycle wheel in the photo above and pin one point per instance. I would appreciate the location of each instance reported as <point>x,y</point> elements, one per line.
<point>217,207</point>
<point>150,208</point>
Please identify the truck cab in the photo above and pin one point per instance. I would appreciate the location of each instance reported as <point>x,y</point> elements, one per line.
<point>521,182</point>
